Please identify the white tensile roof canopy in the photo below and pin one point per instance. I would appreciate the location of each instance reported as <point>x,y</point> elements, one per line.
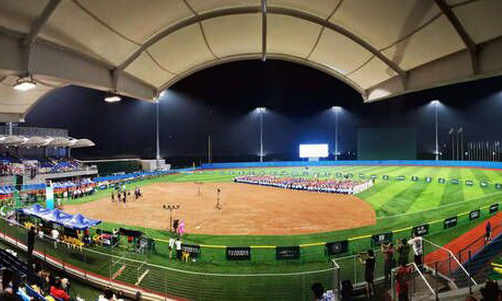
<point>381,48</point>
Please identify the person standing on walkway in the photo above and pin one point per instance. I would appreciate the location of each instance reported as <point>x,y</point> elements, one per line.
<point>388,252</point>
<point>417,244</point>
<point>488,233</point>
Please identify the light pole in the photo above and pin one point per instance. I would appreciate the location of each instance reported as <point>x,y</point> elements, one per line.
<point>336,110</point>
<point>436,104</point>
<point>158,133</point>
<point>261,111</point>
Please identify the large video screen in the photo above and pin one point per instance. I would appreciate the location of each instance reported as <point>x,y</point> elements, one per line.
<point>314,151</point>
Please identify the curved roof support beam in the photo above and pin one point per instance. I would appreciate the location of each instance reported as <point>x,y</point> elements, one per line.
<point>256,56</point>
<point>35,29</point>
<point>270,10</point>
<point>40,22</point>
<point>263,30</point>
<point>466,38</point>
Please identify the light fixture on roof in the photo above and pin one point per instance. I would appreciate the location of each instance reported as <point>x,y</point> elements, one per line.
<point>112,97</point>
<point>24,84</point>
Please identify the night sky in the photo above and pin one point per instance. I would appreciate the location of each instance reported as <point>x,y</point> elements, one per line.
<point>221,102</point>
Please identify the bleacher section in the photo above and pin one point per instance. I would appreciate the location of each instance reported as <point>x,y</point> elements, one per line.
<point>7,191</point>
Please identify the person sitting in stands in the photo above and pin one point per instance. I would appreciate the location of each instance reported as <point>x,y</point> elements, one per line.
<point>58,291</point>
<point>320,295</point>
<point>107,296</point>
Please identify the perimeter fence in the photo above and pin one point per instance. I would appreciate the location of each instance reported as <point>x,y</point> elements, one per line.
<point>129,271</point>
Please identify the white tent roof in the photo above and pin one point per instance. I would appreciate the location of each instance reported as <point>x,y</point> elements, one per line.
<point>79,143</point>
<point>12,140</point>
<point>22,141</point>
<point>34,141</point>
<point>381,48</point>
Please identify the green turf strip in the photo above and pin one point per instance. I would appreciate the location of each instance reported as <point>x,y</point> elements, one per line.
<point>404,200</point>
<point>431,196</point>
<point>392,187</point>
<point>480,176</point>
<point>452,192</point>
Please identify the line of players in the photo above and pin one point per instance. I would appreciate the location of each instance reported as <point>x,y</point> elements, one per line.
<point>122,193</point>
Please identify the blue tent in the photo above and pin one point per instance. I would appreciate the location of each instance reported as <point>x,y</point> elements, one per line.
<point>79,222</point>
<point>55,216</point>
<point>35,210</point>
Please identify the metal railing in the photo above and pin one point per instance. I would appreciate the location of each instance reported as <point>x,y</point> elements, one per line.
<point>417,287</point>
<point>444,262</point>
<point>125,271</point>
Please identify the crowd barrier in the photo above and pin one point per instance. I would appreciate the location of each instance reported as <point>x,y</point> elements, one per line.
<point>442,163</point>
<point>121,269</point>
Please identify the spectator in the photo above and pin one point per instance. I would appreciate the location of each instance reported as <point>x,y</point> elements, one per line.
<point>403,274</point>
<point>488,234</point>
<point>178,249</point>
<point>369,271</point>
<point>58,291</point>
<point>320,294</point>
<point>172,241</point>
<point>403,251</point>
<point>347,291</point>
<point>31,241</point>
<point>107,295</point>
<point>55,237</point>
<point>491,291</point>
<point>137,297</point>
<point>388,252</point>
<point>417,244</point>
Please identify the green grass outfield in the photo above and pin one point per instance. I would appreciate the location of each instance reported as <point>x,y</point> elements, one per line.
<point>399,205</point>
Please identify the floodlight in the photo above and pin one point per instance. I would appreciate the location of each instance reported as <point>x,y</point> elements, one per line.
<point>435,102</point>
<point>261,109</point>
<point>24,84</point>
<point>336,108</point>
<point>112,97</point>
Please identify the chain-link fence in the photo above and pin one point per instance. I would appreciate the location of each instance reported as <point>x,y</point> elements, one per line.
<point>125,271</point>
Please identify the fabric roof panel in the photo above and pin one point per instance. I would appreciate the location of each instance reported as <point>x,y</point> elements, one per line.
<point>339,52</point>
<point>231,35</point>
<point>289,35</point>
<point>20,14</point>
<point>434,41</point>
<point>72,27</point>
<point>138,20</point>
<point>201,6</point>
<point>373,72</point>
<point>320,8</point>
<point>485,28</point>
<point>182,49</point>
<point>378,21</point>
<point>144,67</point>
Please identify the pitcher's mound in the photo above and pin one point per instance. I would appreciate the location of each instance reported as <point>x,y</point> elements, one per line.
<point>245,209</point>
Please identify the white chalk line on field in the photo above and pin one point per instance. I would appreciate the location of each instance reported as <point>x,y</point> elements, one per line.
<point>440,207</point>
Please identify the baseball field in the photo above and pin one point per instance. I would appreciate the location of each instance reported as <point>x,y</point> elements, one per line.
<point>262,218</point>
<point>396,203</point>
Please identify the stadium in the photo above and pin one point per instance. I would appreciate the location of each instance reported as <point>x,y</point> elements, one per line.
<point>250,150</point>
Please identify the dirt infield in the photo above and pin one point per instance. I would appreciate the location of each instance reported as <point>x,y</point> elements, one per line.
<point>245,209</point>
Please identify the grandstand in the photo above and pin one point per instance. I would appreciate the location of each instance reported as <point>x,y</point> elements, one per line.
<point>350,147</point>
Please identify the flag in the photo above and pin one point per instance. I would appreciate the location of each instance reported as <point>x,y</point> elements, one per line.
<point>451,131</point>
<point>460,130</point>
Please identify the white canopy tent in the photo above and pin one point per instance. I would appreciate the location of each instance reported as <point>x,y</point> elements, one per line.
<point>37,141</point>
<point>138,48</point>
